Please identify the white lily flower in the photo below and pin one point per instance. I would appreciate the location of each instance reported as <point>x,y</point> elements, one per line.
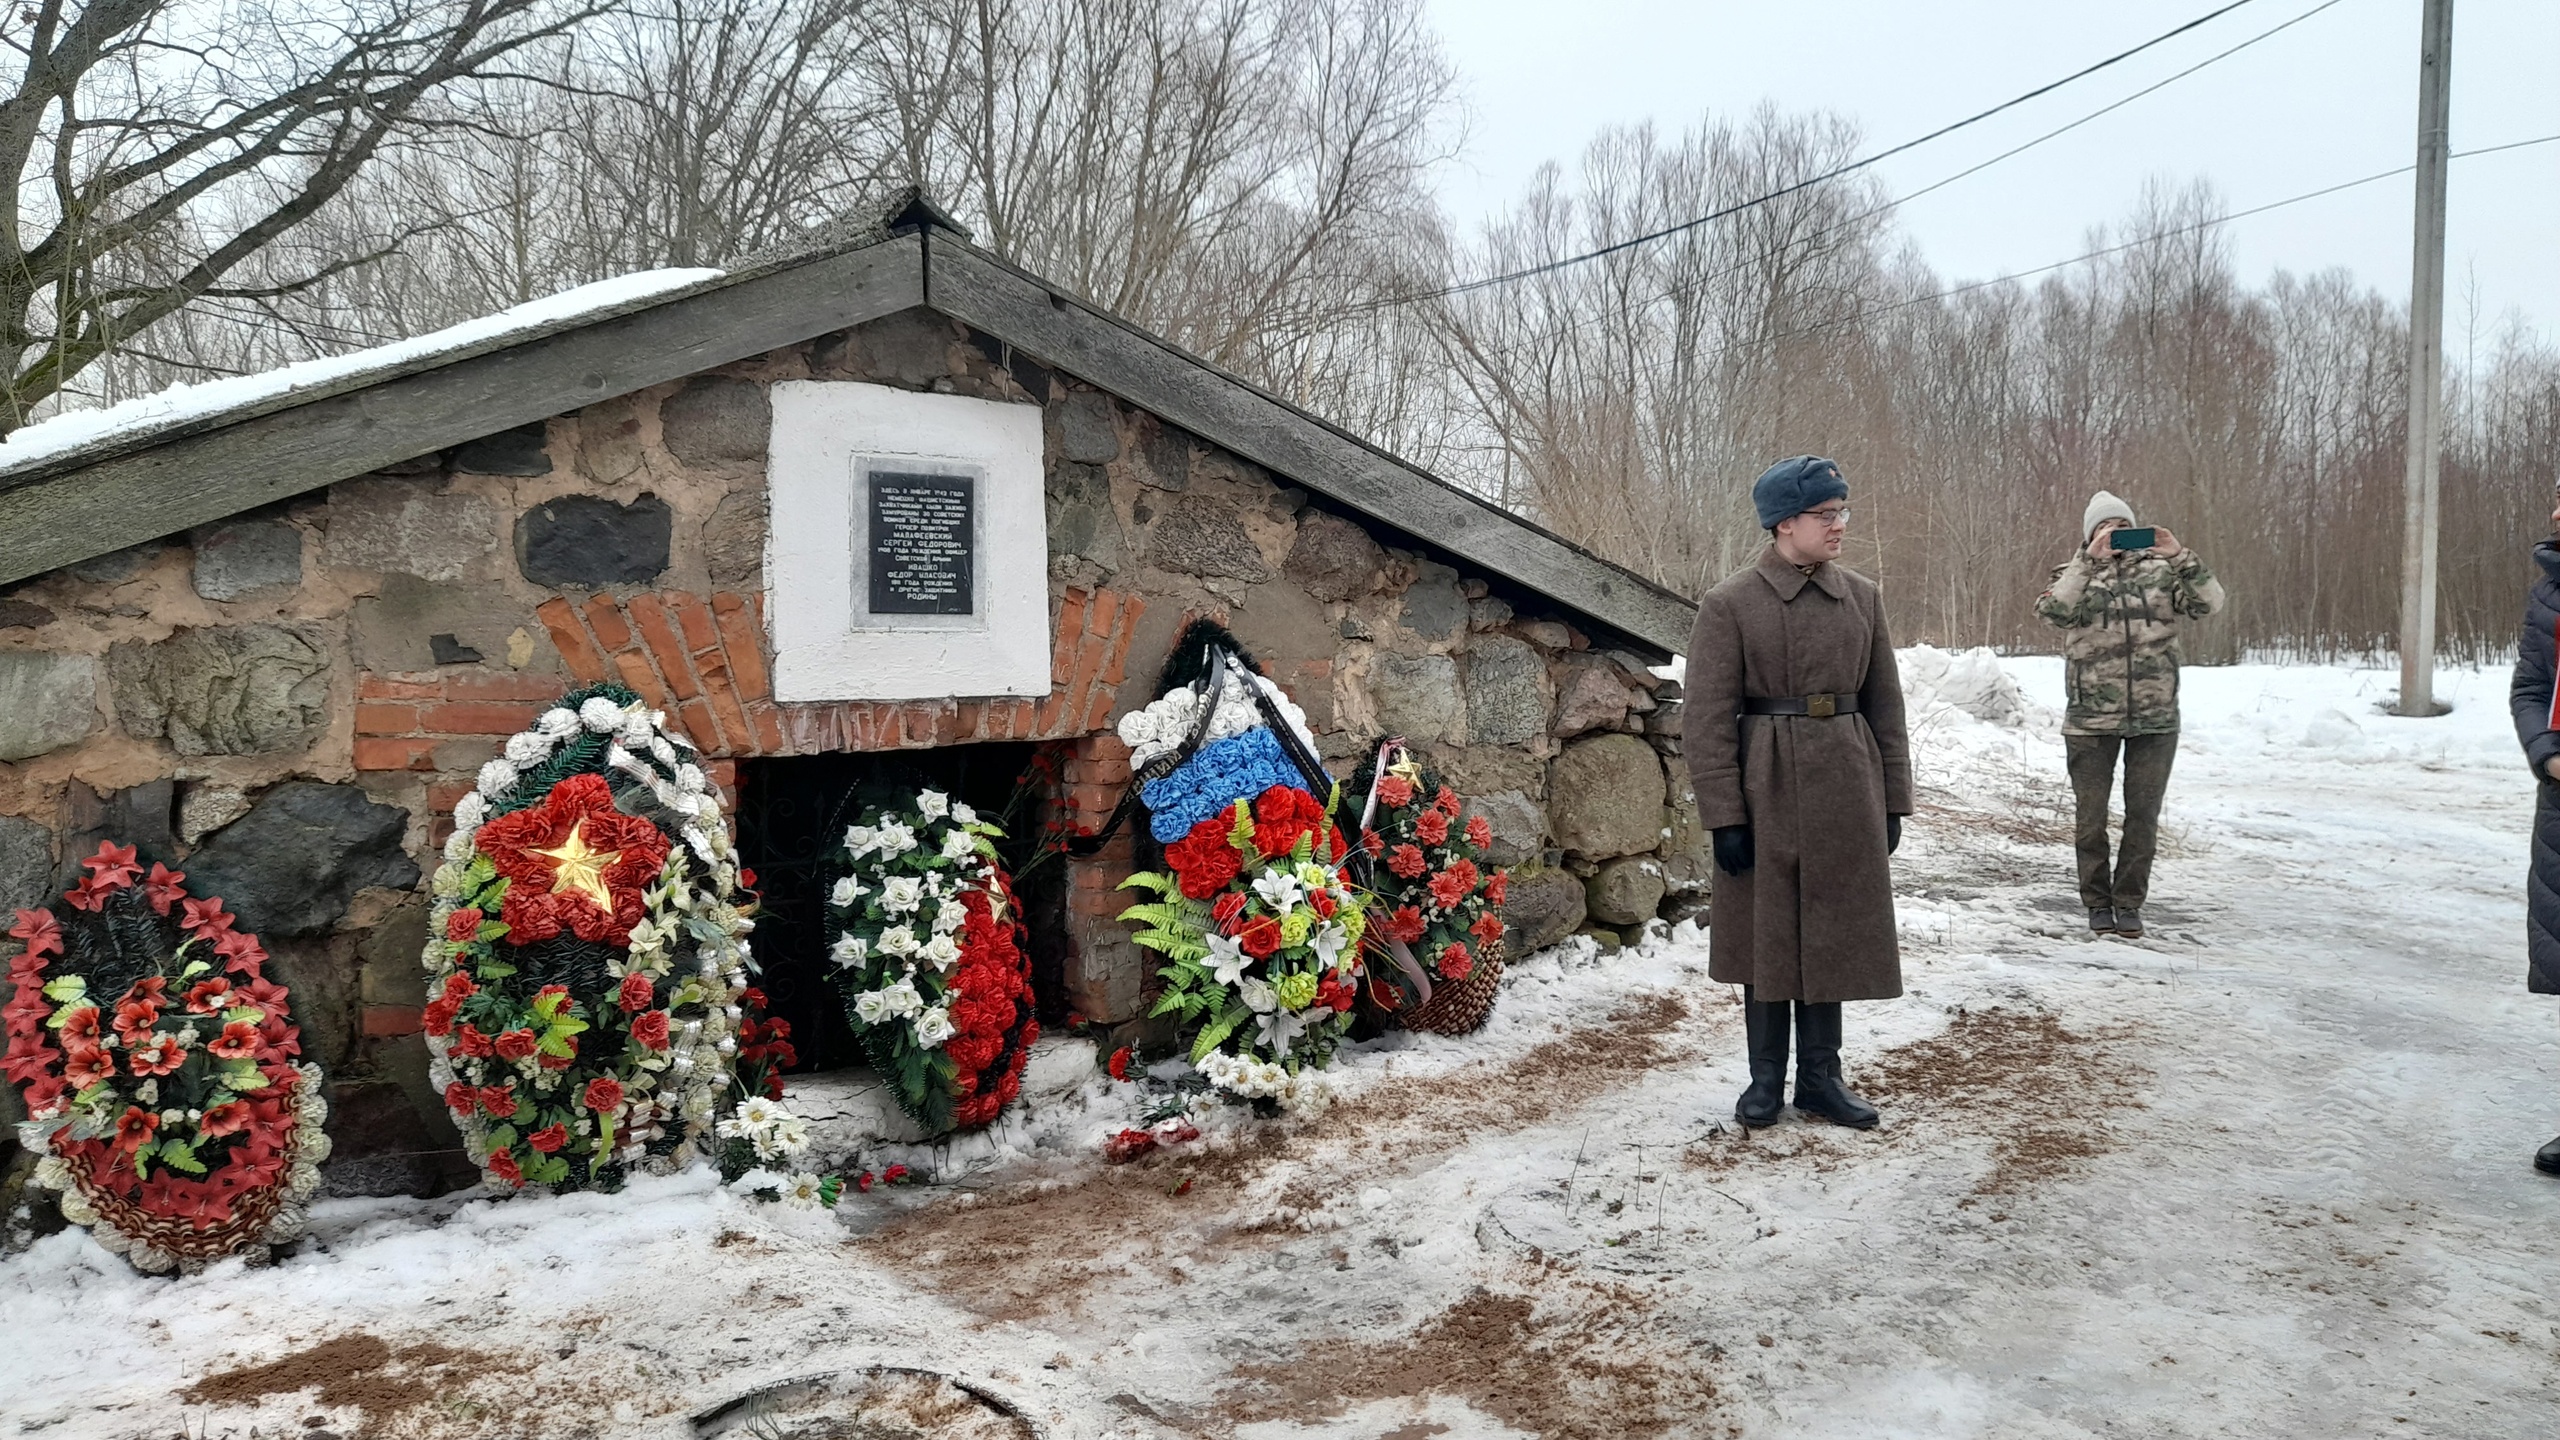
<point>1278,891</point>
<point>1328,942</point>
<point>1257,995</point>
<point>1279,1029</point>
<point>1227,960</point>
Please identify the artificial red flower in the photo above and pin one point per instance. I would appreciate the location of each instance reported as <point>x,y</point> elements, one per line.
<point>862,1182</point>
<point>1487,929</point>
<point>1447,802</point>
<point>1259,937</point>
<point>135,1127</point>
<point>463,925</point>
<point>80,1026</point>
<point>459,987</point>
<point>461,1099</point>
<point>1229,906</point>
<point>163,887</point>
<point>228,1118</point>
<point>241,950</point>
<point>547,991</point>
<point>208,996</point>
<point>1394,791</point>
<point>1448,888</point>
<point>1336,993</point>
<point>502,1163</point>
<point>238,1041</point>
<point>114,865</point>
<point>650,1030</point>
<point>1494,888</point>
<point>1323,903</point>
<point>596,895</point>
<point>134,1018</point>
<point>89,894</point>
<point>637,992</point>
<point>499,1101</point>
<point>1373,842</point>
<point>1479,831</point>
<point>515,1044</point>
<point>89,1067</point>
<point>40,930</point>
<point>1455,962</point>
<point>1335,847</point>
<point>549,1138</point>
<point>1126,1146</point>
<point>603,1093</point>
<point>1281,816</point>
<point>1431,828</point>
<point>1203,860</point>
<point>1119,1065</point>
<point>1407,862</point>
<point>437,1018</point>
<point>751,997</point>
<point>470,1044</point>
<point>1406,924</point>
<point>549,1061</point>
<point>894,1175</point>
<point>204,918</point>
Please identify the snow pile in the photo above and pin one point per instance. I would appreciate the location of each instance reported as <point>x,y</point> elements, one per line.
<point>1972,681</point>
<point>73,429</point>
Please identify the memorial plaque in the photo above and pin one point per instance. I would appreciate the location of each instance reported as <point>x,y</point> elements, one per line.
<point>923,544</point>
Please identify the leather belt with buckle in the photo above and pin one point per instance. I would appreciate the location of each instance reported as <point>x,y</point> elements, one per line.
<point>1818,707</point>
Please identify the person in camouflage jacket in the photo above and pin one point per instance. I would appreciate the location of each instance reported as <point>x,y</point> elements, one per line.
<point>2120,612</point>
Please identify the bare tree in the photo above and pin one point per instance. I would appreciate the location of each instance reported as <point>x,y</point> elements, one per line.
<point>158,146</point>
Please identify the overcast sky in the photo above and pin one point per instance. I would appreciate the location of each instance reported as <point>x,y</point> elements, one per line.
<point>2331,99</point>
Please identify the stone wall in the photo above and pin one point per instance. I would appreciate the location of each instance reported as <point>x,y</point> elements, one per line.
<point>288,703</point>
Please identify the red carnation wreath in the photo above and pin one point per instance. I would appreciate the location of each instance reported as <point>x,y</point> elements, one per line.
<point>159,1067</point>
<point>1437,896</point>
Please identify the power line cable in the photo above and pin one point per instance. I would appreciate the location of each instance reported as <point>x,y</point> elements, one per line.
<point>1683,287</point>
<point>2098,254</point>
<point>1833,174</point>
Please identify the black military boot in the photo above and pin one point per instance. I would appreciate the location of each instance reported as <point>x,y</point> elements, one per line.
<point>1819,1089</point>
<point>1764,1023</point>
<point>2546,1159</point>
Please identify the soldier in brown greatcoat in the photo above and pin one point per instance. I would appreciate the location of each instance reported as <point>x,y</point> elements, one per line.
<point>1795,743</point>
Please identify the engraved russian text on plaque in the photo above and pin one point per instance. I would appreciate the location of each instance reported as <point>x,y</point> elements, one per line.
<point>923,544</point>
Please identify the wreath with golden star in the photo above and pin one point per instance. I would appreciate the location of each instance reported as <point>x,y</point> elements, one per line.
<point>575,863</point>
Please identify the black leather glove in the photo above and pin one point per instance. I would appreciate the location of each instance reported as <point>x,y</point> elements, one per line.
<point>1733,848</point>
<point>1892,833</point>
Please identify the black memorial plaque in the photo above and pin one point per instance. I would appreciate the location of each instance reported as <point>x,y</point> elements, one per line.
<point>924,542</point>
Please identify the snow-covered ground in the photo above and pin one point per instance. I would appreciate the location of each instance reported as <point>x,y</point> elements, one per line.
<point>2263,1173</point>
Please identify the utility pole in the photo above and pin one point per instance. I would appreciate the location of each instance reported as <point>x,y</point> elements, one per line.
<point>2426,369</point>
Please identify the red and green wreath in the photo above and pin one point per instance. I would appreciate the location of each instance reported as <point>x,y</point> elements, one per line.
<point>158,1067</point>
<point>1437,895</point>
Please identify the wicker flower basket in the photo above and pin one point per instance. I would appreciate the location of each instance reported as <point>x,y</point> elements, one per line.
<point>1460,1008</point>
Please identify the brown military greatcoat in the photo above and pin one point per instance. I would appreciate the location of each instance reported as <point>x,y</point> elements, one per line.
<point>1813,919</point>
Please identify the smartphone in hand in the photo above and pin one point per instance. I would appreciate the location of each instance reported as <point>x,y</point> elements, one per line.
<point>2130,537</point>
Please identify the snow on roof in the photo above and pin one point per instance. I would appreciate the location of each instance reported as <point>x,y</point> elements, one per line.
<point>78,429</point>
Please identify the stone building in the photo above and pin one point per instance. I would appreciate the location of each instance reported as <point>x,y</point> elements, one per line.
<point>269,630</point>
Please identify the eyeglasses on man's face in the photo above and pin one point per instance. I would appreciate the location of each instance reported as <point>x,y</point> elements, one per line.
<point>1828,516</point>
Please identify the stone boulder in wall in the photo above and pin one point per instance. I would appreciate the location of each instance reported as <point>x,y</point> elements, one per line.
<point>1605,797</point>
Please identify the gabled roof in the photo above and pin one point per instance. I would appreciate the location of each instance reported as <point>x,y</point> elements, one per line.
<point>121,482</point>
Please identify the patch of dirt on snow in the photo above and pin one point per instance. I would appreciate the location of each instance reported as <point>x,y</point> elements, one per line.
<point>1032,1250</point>
<point>2040,1091</point>
<point>357,1371</point>
<point>1539,1365</point>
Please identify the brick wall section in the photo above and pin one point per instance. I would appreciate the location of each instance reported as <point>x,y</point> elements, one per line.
<point>1108,973</point>
<point>702,660</point>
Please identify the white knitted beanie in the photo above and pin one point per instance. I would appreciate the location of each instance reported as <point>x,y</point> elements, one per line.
<point>2103,506</point>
